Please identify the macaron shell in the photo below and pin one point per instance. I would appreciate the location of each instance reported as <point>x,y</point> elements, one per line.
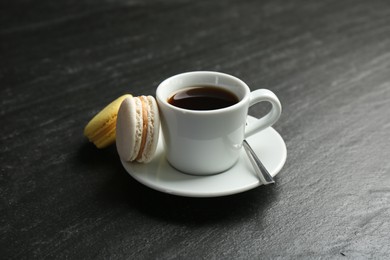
<point>126,129</point>
<point>101,129</point>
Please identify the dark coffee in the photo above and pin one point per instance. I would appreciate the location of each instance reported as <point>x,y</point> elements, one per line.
<point>203,97</point>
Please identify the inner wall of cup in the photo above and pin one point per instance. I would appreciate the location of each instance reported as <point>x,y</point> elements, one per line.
<point>172,85</point>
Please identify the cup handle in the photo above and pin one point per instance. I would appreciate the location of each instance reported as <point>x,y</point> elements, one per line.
<point>269,119</point>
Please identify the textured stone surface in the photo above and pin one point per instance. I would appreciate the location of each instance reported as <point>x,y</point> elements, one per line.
<point>62,61</point>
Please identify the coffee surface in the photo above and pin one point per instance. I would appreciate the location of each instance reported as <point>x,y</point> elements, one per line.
<point>203,97</point>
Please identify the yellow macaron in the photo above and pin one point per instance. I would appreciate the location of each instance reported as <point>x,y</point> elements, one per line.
<point>101,130</point>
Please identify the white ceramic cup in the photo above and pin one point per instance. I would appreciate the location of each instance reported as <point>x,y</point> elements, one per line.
<point>204,142</point>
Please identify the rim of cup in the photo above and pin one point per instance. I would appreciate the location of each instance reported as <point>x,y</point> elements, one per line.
<point>243,98</point>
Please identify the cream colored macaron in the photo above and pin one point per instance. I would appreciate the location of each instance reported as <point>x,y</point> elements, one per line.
<point>137,129</point>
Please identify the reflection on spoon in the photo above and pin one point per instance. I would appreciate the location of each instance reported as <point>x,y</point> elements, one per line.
<point>260,170</point>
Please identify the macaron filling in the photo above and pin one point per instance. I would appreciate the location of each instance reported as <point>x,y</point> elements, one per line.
<point>104,131</point>
<point>144,107</point>
<point>151,138</point>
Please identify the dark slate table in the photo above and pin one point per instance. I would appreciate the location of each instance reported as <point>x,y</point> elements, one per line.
<point>62,61</point>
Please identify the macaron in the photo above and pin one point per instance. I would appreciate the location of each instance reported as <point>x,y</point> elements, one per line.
<point>101,129</point>
<point>137,129</point>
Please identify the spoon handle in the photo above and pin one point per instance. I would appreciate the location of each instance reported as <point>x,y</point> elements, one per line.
<point>261,171</point>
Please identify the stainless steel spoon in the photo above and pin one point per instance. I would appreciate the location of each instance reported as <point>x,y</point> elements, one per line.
<point>260,170</point>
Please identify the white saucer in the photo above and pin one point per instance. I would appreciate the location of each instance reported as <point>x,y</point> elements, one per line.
<point>161,176</point>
